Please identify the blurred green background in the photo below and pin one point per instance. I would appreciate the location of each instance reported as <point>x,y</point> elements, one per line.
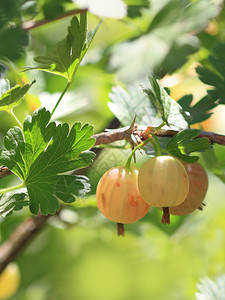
<point>78,255</point>
<point>86,260</point>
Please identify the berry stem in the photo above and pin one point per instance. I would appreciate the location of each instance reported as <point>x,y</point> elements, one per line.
<point>133,151</point>
<point>166,215</point>
<point>158,147</point>
<point>120,229</point>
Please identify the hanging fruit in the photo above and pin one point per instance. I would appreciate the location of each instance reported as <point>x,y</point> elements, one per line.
<point>118,197</point>
<point>163,182</point>
<point>198,185</point>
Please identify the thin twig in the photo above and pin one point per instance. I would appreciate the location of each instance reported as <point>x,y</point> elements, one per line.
<point>124,133</point>
<point>32,25</point>
<point>19,239</point>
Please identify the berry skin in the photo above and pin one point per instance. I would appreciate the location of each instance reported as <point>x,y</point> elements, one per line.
<point>198,185</point>
<point>163,181</point>
<point>118,197</point>
<point>9,281</point>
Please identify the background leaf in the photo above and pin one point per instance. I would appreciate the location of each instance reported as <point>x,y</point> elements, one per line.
<point>166,41</point>
<point>201,110</point>
<point>168,109</point>
<point>126,104</point>
<point>13,41</point>
<point>213,73</point>
<point>211,290</point>
<point>11,201</point>
<point>135,7</point>
<point>10,98</point>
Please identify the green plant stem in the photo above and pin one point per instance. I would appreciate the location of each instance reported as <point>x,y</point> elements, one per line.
<point>160,126</point>
<point>158,147</point>
<point>12,188</point>
<point>61,96</point>
<point>153,144</point>
<point>133,151</point>
<point>15,118</point>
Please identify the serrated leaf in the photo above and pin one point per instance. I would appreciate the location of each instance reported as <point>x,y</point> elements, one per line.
<point>200,111</point>
<point>66,56</point>
<point>10,98</point>
<point>211,290</point>
<point>126,104</point>
<point>13,40</point>
<point>42,152</point>
<point>184,143</point>
<point>68,186</point>
<point>11,201</point>
<point>168,109</point>
<point>63,59</point>
<point>213,73</point>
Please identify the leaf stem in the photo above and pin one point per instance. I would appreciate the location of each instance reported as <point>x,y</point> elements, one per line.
<point>61,96</point>
<point>15,118</point>
<point>160,126</point>
<point>12,188</point>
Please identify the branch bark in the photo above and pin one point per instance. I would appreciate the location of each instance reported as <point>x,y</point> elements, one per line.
<point>124,133</point>
<point>29,25</point>
<point>24,233</point>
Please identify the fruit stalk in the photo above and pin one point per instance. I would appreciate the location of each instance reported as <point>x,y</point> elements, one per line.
<point>120,229</point>
<point>166,215</point>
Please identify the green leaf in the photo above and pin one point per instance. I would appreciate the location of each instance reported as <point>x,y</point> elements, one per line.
<point>62,59</point>
<point>211,290</point>
<point>189,15</point>
<point>126,104</point>
<point>53,9</point>
<point>200,111</point>
<point>135,7</point>
<point>68,186</point>
<point>168,109</point>
<point>42,152</point>
<point>67,55</point>
<point>13,40</point>
<point>213,73</point>
<point>12,202</point>
<point>184,143</point>
<point>214,163</point>
<point>168,39</point>
<point>10,98</point>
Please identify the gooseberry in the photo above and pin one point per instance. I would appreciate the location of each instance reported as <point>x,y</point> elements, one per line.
<point>118,197</point>
<point>9,281</point>
<point>198,185</point>
<point>163,182</point>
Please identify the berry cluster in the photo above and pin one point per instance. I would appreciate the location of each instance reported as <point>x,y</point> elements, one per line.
<point>125,195</point>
